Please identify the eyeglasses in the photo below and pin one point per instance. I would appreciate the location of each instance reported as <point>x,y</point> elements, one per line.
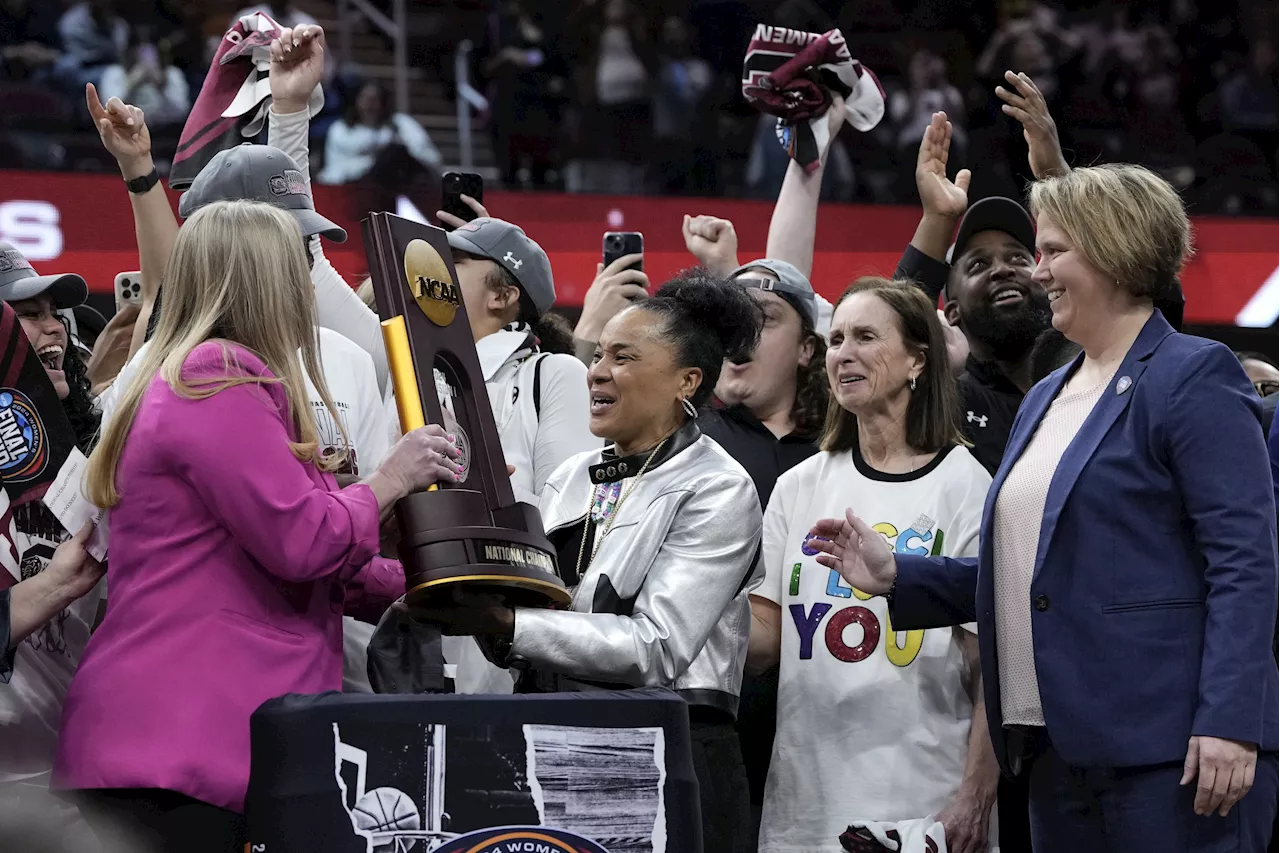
<point>1266,387</point>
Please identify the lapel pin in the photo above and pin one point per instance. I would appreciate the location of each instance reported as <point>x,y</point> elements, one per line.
<point>1123,384</point>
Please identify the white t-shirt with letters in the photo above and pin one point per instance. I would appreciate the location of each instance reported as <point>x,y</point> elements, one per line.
<point>872,723</point>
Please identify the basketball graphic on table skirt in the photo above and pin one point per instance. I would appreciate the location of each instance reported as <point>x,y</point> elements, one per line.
<point>386,810</point>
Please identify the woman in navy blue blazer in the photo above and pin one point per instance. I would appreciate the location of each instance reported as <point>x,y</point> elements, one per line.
<point>1125,589</point>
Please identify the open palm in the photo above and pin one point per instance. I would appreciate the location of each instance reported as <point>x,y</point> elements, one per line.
<point>123,128</point>
<point>938,193</point>
<point>857,552</point>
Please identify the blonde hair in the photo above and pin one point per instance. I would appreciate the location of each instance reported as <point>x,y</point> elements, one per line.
<point>1126,220</point>
<point>237,274</point>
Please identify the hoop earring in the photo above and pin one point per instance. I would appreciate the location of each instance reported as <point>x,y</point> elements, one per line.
<point>913,383</point>
<point>689,408</point>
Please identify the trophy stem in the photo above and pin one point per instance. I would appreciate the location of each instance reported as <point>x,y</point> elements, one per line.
<point>404,378</point>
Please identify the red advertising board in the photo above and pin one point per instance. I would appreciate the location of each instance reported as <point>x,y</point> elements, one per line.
<point>82,223</point>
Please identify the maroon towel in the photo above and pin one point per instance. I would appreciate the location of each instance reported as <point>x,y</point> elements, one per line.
<point>791,74</point>
<point>232,103</point>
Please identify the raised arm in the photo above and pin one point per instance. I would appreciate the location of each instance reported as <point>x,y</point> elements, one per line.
<point>943,201</point>
<point>1027,105</point>
<point>297,66</point>
<point>124,133</point>
<point>795,217</point>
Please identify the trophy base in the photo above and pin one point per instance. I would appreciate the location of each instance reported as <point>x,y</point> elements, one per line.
<point>515,591</point>
<point>505,554</point>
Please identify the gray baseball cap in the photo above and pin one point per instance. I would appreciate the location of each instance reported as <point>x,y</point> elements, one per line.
<point>508,246</point>
<point>258,173</point>
<point>791,285</point>
<point>19,281</point>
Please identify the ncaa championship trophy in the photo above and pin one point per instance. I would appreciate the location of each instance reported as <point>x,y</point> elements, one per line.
<point>470,535</point>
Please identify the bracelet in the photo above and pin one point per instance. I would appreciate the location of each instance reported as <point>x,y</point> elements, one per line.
<point>138,186</point>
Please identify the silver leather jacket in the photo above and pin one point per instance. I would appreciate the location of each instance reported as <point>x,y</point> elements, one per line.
<point>664,602</point>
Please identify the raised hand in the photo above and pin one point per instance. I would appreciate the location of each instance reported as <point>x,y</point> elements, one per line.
<point>451,221</point>
<point>857,552</point>
<point>124,133</point>
<point>1027,105</point>
<point>939,195</point>
<point>297,66</point>
<point>712,241</point>
<point>614,288</point>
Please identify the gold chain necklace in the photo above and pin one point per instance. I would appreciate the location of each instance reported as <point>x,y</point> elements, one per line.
<point>587,523</point>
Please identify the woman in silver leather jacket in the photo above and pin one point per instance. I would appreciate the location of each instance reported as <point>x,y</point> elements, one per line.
<point>658,535</point>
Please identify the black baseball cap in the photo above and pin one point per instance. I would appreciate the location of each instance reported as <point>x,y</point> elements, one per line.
<point>251,172</point>
<point>18,281</point>
<point>996,213</point>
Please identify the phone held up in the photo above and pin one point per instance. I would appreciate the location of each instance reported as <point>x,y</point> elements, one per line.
<point>454,185</point>
<point>128,289</point>
<point>618,244</point>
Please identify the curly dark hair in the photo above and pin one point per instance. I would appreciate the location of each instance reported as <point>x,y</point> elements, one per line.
<point>813,390</point>
<point>78,405</point>
<point>706,319</point>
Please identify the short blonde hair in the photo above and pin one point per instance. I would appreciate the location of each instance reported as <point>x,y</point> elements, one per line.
<point>1126,220</point>
<point>237,274</point>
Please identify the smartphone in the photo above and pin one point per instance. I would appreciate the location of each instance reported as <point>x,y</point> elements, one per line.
<point>129,289</point>
<point>618,244</point>
<point>454,185</point>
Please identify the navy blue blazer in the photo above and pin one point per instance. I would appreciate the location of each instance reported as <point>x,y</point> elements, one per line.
<point>1153,600</point>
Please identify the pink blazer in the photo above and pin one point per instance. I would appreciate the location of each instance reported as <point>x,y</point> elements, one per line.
<point>231,565</point>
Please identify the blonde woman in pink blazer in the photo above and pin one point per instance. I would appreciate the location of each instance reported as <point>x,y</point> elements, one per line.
<point>233,553</point>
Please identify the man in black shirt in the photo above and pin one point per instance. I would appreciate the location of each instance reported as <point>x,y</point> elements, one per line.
<point>771,404</point>
<point>989,295</point>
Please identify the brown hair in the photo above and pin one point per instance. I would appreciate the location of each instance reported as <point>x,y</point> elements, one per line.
<point>1126,220</point>
<point>933,420</point>
<point>813,390</point>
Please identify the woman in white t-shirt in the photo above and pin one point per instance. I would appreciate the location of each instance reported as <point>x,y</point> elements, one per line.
<point>874,724</point>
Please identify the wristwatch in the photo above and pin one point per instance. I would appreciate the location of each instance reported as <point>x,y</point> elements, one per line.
<point>138,186</point>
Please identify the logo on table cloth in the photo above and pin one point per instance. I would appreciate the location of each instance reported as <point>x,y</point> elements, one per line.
<point>24,452</point>
<point>521,839</point>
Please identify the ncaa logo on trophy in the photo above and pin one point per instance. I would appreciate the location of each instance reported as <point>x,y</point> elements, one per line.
<point>473,534</point>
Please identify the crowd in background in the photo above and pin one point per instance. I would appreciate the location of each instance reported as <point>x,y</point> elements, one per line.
<point>622,96</point>
<point>925,485</point>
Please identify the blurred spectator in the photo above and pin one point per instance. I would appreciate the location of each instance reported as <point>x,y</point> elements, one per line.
<point>680,125</point>
<point>94,36</point>
<point>285,14</point>
<point>616,79</point>
<point>29,43</point>
<point>1157,132</point>
<point>1262,372</point>
<point>1249,96</point>
<point>372,142</point>
<point>929,91</point>
<point>527,86</point>
<point>149,81</point>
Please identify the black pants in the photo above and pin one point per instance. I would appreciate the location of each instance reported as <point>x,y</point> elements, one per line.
<point>152,820</point>
<point>722,788</point>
